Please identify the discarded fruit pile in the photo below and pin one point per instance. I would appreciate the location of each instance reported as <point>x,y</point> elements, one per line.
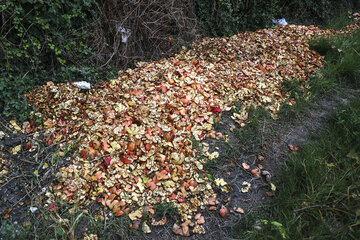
<point>135,131</point>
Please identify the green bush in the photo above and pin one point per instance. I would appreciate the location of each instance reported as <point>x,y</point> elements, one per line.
<point>79,40</point>
<point>226,17</point>
<point>316,12</point>
<point>43,41</point>
<point>342,55</point>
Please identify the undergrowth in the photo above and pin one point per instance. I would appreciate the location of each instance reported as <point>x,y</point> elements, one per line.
<point>319,196</point>
<point>342,62</point>
<point>319,189</point>
<point>252,135</point>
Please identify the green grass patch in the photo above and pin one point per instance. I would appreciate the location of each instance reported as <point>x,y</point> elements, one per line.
<point>69,222</point>
<point>319,190</point>
<point>253,133</point>
<point>342,55</point>
<point>298,91</point>
<point>165,210</point>
<point>341,68</point>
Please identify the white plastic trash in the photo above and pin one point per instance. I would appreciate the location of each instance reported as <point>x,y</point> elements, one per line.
<point>270,33</point>
<point>33,209</point>
<point>82,85</point>
<point>281,21</point>
<point>125,33</point>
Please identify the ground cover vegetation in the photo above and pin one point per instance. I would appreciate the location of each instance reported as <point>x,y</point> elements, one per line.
<point>130,143</point>
<point>321,177</point>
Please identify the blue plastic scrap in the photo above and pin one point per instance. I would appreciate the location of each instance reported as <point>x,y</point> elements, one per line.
<point>281,21</point>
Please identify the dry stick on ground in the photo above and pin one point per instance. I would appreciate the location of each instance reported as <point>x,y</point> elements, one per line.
<point>104,213</point>
<point>7,182</point>
<point>4,125</point>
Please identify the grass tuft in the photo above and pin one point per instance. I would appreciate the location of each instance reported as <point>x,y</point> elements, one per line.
<point>342,62</point>
<point>252,134</point>
<point>319,191</point>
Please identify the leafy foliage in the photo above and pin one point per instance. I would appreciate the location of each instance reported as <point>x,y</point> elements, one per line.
<point>63,41</point>
<point>342,61</point>
<point>43,41</point>
<point>226,17</point>
<point>319,12</point>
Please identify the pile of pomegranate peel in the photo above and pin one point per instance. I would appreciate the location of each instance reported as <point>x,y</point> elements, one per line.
<point>135,132</point>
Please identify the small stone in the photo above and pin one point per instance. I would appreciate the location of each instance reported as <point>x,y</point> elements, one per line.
<point>33,209</point>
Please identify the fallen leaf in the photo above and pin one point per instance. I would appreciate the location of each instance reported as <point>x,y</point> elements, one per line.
<point>52,207</point>
<point>160,222</point>
<point>114,145</point>
<point>89,122</point>
<point>28,146</point>
<point>119,212</point>
<point>211,201</point>
<point>201,220</point>
<point>16,149</point>
<point>125,160</point>
<point>15,125</point>
<point>246,187</point>
<point>131,146</point>
<point>145,227</point>
<point>213,155</point>
<point>177,229</point>
<point>273,187</point>
<point>220,182</point>
<point>223,211</point>
<point>6,213</point>
<point>135,215</point>
<point>255,172</point>
<point>239,210</point>
<point>48,124</point>
<point>270,194</point>
<point>185,229</point>
<point>293,148</point>
<point>245,166</point>
<point>199,229</point>
<point>108,160</point>
<point>136,224</point>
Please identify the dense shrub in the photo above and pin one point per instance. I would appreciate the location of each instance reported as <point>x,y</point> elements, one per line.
<point>77,40</point>
<point>41,41</point>
<point>226,17</point>
<point>316,12</point>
